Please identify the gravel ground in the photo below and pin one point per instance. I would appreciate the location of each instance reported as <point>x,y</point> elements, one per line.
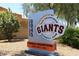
<point>12,48</point>
<point>18,48</point>
<point>66,50</point>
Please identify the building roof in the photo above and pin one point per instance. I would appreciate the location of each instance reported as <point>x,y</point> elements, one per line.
<point>18,15</point>
<point>1,8</point>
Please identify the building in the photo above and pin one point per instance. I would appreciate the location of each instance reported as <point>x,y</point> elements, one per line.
<point>2,10</point>
<point>22,33</point>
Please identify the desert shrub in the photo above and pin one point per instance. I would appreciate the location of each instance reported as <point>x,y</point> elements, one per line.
<point>71,37</point>
<point>8,24</point>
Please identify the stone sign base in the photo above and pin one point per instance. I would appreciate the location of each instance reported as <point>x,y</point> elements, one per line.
<point>38,53</point>
<point>41,49</point>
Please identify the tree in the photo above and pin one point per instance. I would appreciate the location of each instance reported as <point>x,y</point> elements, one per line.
<point>70,12</point>
<point>8,24</point>
<point>34,7</point>
<point>67,11</point>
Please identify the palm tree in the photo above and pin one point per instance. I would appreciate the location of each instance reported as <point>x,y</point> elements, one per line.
<point>35,7</point>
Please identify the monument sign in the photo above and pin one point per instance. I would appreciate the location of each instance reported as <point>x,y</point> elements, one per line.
<point>43,27</point>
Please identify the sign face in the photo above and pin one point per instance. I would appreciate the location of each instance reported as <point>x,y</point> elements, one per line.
<point>44,27</point>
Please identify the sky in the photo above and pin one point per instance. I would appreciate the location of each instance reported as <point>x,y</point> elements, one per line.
<point>15,7</point>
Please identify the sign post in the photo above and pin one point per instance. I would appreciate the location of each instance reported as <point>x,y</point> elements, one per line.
<point>43,27</point>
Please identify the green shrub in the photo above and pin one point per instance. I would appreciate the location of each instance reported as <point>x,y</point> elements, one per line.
<point>71,37</point>
<point>8,25</point>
